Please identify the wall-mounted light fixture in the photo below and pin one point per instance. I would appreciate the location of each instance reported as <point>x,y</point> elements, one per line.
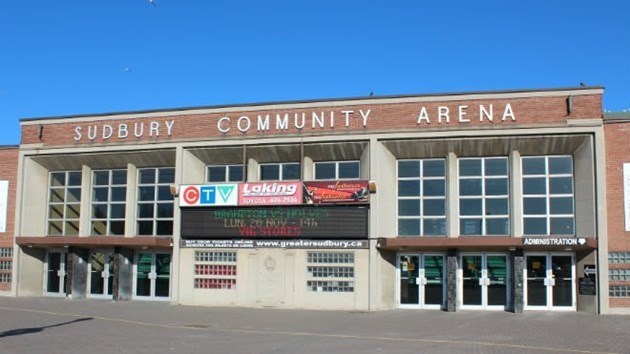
<point>174,190</point>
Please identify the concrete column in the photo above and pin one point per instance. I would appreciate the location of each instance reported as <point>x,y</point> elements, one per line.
<point>452,196</point>
<point>308,172</point>
<point>518,265</point>
<point>252,170</point>
<point>130,204</point>
<point>601,222</point>
<point>80,258</point>
<point>123,274</point>
<point>182,161</point>
<point>451,280</point>
<point>516,193</point>
<point>85,226</point>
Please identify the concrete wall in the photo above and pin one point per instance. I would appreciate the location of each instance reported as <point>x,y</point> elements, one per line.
<point>31,275</point>
<point>274,278</point>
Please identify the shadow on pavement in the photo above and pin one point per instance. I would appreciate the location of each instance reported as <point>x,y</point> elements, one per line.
<point>21,331</point>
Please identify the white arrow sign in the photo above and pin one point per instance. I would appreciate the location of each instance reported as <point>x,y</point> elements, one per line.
<point>588,271</point>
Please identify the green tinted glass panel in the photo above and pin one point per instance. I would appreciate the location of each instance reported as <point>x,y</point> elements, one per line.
<point>433,267</point>
<point>497,267</point>
<point>144,263</point>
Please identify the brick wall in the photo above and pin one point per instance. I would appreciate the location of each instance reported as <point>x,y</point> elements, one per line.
<point>8,172</point>
<point>383,116</point>
<point>617,153</point>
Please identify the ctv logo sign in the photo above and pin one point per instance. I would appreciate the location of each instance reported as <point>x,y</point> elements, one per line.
<point>208,195</point>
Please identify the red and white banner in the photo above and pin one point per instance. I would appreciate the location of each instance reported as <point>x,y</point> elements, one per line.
<point>270,193</point>
<point>337,192</point>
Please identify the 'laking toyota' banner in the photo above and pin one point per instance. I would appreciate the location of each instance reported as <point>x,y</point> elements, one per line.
<point>270,193</point>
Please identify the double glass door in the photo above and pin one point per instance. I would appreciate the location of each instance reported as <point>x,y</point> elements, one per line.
<point>56,272</point>
<point>101,269</point>
<point>550,282</point>
<point>421,280</point>
<point>485,280</point>
<point>153,276</point>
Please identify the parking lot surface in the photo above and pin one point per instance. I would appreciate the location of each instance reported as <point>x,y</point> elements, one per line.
<point>55,325</point>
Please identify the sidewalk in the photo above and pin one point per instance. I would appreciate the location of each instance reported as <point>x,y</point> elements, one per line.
<point>51,325</point>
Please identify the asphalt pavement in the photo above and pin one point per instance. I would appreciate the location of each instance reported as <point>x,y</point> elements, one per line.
<point>57,325</point>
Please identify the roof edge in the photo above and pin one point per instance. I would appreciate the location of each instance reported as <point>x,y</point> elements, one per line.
<point>355,98</point>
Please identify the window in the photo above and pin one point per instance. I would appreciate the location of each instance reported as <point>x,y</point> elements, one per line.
<point>619,291</point>
<point>422,197</point>
<point>109,193</point>
<point>5,277</point>
<point>619,275</point>
<point>289,171</point>
<point>6,264</point>
<point>548,202</point>
<point>483,196</point>
<point>224,173</point>
<point>155,202</point>
<point>330,272</point>
<point>215,270</point>
<point>337,170</point>
<point>619,257</point>
<point>64,203</point>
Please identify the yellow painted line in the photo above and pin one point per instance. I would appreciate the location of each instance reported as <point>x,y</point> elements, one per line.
<point>307,334</point>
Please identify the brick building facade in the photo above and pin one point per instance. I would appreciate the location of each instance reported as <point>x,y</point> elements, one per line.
<point>504,200</point>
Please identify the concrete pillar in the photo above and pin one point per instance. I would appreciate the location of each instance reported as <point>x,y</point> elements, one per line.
<point>123,274</point>
<point>69,269</point>
<point>451,280</point>
<point>452,196</point>
<point>85,224</point>
<point>79,269</point>
<point>130,204</point>
<point>516,192</point>
<point>518,296</point>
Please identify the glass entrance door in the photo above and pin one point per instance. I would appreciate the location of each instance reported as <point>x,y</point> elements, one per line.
<point>485,280</point>
<point>153,275</point>
<point>56,271</point>
<point>550,282</point>
<point>421,280</point>
<point>101,268</point>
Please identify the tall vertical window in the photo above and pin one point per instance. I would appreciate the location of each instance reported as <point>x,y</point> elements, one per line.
<point>548,200</point>
<point>64,203</point>
<point>155,202</point>
<point>483,196</point>
<point>336,170</point>
<point>109,193</point>
<point>224,173</point>
<point>421,197</point>
<point>287,171</point>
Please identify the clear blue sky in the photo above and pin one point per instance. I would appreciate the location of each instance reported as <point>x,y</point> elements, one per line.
<point>80,57</point>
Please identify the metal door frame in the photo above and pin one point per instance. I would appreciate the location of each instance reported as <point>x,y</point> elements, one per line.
<point>549,290</point>
<point>421,299</point>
